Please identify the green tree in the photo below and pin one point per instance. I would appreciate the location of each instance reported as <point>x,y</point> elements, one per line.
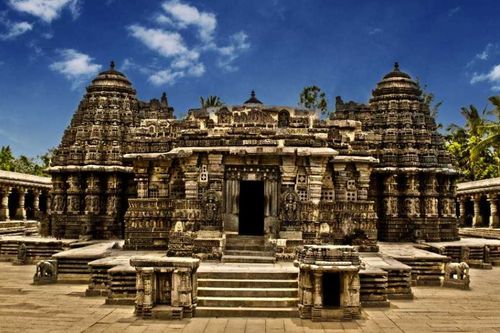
<point>24,164</point>
<point>211,101</point>
<point>475,158</point>
<point>490,140</point>
<point>6,159</point>
<point>312,97</point>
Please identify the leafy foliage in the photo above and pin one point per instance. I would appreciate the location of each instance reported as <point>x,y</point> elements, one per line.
<point>211,101</point>
<point>312,97</point>
<point>24,164</point>
<point>475,146</point>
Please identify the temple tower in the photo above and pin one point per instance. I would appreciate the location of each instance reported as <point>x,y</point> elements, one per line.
<point>414,180</point>
<point>90,180</point>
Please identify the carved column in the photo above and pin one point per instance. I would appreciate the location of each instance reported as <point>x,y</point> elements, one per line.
<point>73,191</point>
<point>391,196</point>
<point>477,220</point>
<point>191,174</point>
<point>36,202</point>
<point>363,181</point>
<point>21,209</point>
<point>288,172</point>
<point>215,172</point>
<point>493,223</point>
<point>461,209</point>
<point>5,213</point>
<point>318,297</point>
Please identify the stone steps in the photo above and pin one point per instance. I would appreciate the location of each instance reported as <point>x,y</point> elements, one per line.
<point>247,290</point>
<point>246,283</point>
<point>214,311</point>
<point>247,249</point>
<point>248,259</point>
<point>262,302</point>
<point>248,275</point>
<point>248,253</point>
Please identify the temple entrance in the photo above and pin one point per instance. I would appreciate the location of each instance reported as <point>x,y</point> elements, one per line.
<point>251,213</point>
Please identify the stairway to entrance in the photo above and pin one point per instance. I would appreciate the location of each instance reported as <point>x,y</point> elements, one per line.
<point>247,290</point>
<point>247,249</point>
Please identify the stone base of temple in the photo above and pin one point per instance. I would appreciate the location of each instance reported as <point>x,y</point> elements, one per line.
<point>418,229</point>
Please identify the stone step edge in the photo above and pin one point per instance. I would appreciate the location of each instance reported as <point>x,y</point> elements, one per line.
<point>247,289</point>
<point>247,299</point>
<point>247,280</point>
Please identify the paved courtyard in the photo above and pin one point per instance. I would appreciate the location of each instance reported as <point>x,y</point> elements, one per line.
<point>61,308</point>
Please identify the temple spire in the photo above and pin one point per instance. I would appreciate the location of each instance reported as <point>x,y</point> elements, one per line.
<point>396,66</point>
<point>112,64</point>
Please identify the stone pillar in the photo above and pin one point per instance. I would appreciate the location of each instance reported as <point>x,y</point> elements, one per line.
<point>21,209</point>
<point>191,174</point>
<point>461,209</point>
<point>391,208</point>
<point>477,220</point>
<point>318,293</point>
<point>36,202</point>
<point>493,223</point>
<point>363,181</point>
<point>4,212</point>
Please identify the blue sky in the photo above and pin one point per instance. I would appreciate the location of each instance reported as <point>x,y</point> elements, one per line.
<point>51,49</point>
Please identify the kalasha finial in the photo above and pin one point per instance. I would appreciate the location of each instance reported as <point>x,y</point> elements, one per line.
<point>252,94</point>
<point>396,66</point>
<point>112,65</point>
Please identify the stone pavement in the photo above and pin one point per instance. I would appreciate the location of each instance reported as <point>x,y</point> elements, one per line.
<point>61,308</point>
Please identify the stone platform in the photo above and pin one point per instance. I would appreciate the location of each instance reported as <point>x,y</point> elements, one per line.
<point>72,265</point>
<point>427,268</point>
<point>37,248</point>
<point>62,308</point>
<point>491,233</point>
<point>19,228</point>
<point>477,252</point>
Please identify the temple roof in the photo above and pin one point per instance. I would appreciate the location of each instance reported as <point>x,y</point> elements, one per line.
<point>111,80</point>
<point>396,85</point>
<point>252,99</point>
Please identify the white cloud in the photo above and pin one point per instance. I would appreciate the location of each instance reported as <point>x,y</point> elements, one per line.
<point>46,10</point>
<point>492,76</point>
<point>75,66</point>
<point>374,31</point>
<point>453,11</point>
<point>15,29</point>
<point>237,44</point>
<point>184,15</point>
<point>486,52</point>
<point>168,41</point>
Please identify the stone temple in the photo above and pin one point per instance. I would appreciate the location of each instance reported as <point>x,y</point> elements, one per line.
<point>129,169</point>
<point>250,210</point>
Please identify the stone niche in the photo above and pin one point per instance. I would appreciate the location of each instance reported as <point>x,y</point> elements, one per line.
<point>329,285</point>
<point>166,287</point>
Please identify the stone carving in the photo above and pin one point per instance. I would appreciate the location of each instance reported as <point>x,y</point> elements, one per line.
<point>22,254</point>
<point>46,272</point>
<point>212,209</point>
<point>457,275</point>
<point>290,207</point>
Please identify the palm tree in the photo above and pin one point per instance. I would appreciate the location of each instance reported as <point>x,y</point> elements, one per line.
<point>211,101</point>
<point>491,129</point>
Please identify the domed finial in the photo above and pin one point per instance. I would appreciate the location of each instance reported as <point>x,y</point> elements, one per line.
<point>252,94</point>
<point>164,100</point>
<point>396,66</point>
<point>112,64</point>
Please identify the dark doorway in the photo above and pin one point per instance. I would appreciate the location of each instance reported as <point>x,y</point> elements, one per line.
<point>251,217</point>
<point>331,290</point>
